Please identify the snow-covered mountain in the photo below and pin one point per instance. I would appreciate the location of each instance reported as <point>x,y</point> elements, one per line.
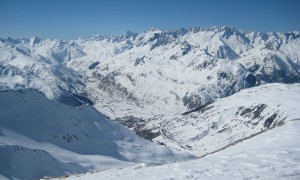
<point>257,133</point>
<point>39,137</point>
<point>159,72</point>
<point>271,155</point>
<point>22,66</point>
<point>164,85</point>
<point>140,77</point>
<point>229,120</point>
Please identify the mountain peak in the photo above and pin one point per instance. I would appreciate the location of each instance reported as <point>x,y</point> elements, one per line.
<point>154,29</point>
<point>128,34</point>
<point>97,37</point>
<point>33,40</point>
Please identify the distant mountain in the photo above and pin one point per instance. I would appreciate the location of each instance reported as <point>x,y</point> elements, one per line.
<point>172,87</point>
<point>150,74</point>
<point>154,71</point>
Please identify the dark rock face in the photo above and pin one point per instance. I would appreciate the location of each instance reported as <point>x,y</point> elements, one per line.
<point>92,66</point>
<point>253,113</point>
<point>146,133</point>
<point>139,61</point>
<point>130,121</point>
<point>186,47</point>
<point>160,39</point>
<point>200,109</point>
<point>250,81</point>
<point>192,101</point>
<point>138,125</point>
<point>269,120</point>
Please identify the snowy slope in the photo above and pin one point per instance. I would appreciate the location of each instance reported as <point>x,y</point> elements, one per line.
<point>51,138</point>
<point>22,162</point>
<point>37,64</point>
<point>271,155</point>
<point>229,120</point>
<point>144,81</point>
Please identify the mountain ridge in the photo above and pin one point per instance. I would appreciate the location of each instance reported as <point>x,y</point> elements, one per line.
<point>196,91</point>
<point>153,73</point>
<point>179,30</point>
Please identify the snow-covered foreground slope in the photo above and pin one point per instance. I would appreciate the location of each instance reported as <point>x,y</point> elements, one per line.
<point>229,120</point>
<point>39,137</point>
<point>271,155</point>
<point>144,81</point>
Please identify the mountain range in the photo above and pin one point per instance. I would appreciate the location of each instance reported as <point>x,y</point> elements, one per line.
<point>196,91</point>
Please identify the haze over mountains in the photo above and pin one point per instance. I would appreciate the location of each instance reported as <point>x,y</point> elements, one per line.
<point>163,85</point>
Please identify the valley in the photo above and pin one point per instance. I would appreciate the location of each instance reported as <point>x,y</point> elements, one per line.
<point>137,101</point>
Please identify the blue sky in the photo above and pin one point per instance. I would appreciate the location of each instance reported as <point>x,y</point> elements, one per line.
<point>67,19</point>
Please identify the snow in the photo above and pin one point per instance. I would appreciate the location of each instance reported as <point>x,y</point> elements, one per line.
<point>21,162</point>
<point>271,155</point>
<point>146,81</point>
<point>163,67</point>
<point>36,132</point>
<point>228,120</point>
